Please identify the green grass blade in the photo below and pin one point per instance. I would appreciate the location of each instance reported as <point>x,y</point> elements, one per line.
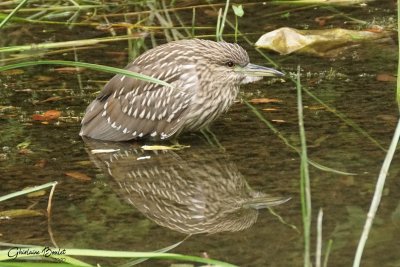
<point>124,254</point>
<point>287,143</point>
<point>193,22</point>
<point>345,120</point>
<point>89,66</point>
<point>27,191</point>
<point>37,264</point>
<point>166,249</point>
<point>327,169</point>
<point>76,43</point>
<point>75,262</point>
<point>15,10</point>
<point>398,64</point>
<point>58,8</point>
<point>327,252</point>
<point>223,19</point>
<point>318,252</point>
<point>217,36</point>
<point>377,196</point>
<point>304,175</point>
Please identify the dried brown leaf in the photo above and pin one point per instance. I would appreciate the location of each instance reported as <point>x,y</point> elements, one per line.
<point>384,77</point>
<point>52,115</point>
<point>78,176</point>
<point>314,107</point>
<point>41,163</point>
<point>70,70</point>
<point>38,117</point>
<point>44,78</point>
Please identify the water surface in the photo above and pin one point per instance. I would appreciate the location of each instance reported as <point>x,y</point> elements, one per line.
<point>95,214</point>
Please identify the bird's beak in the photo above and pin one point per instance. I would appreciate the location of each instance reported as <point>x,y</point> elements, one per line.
<point>253,73</point>
<point>260,71</point>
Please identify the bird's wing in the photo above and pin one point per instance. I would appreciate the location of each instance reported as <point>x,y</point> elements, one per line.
<point>128,108</point>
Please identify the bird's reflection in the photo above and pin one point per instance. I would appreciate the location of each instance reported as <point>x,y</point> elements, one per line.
<point>195,190</point>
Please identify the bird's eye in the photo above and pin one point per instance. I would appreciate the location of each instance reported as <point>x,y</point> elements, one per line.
<point>230,64</point>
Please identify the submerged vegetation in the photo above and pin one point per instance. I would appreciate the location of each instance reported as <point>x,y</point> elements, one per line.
<point>35,38</point>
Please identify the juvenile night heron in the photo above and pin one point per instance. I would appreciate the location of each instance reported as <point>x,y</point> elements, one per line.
<point>205,78</point>
<point>190,191</point>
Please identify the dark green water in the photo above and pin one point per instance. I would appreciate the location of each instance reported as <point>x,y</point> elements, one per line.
<point>94,214</point>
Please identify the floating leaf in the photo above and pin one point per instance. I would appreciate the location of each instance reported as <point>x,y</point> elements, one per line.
<point>47,116</point>
<point>376,28</point>
<point>329,42</point>
<point>13,72</point>
<point>78,176</point>
<point>44,78</point>
<point>322,20</point>
<point>315,107</point>
<point>69,70</point>
<point>285,15</point>
<point>24,144</point>
<point>174,147</point>
<point>265,100</point>
<point>387,118</point>
<point>36,193</point>
<point>384,77</point>
<point>38,117</point>
<point>18,213</point>
<point>144,157</point>
<point>84,163</point>
<point>99,151</point>
<point>52,114</point>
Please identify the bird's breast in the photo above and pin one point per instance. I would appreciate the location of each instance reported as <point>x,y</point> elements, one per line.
<point>206,107</point>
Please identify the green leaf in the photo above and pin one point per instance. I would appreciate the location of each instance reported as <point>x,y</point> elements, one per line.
<point>24,144</point>
<point>286,15</point>
<point>238,10</point>
<point>18,213</point>
<point>9,16</point>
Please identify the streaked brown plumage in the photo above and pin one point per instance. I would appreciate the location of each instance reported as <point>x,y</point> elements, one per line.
<point>205,76</point>
<point>193,191</point>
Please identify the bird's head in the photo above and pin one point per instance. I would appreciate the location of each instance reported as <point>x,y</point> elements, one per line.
<point>230,62</point>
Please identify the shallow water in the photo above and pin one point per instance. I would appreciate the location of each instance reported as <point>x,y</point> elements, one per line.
<point>96,213</point>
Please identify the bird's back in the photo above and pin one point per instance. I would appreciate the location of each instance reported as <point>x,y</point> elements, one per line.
<point>129,108</point>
